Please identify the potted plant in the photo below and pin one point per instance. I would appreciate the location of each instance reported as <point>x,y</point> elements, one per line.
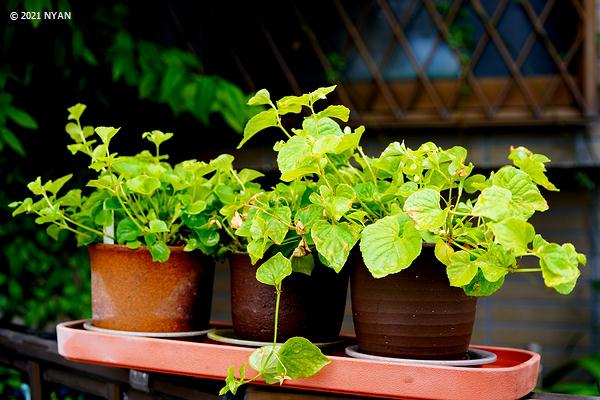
<point>142,222</point>
<point>420,216</point>
<point>270,222</point>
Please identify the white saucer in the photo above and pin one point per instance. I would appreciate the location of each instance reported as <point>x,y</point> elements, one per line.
<point>173,335</point>
<point>226,335</point>
<point>475,357</point>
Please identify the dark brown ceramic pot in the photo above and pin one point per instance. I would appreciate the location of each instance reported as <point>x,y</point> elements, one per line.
<point>412,314</point>
<point>130,292</point>
<point>310,306</point>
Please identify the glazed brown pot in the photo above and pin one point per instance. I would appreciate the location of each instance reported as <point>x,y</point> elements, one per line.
<point>412,314</point>
<point>310,306</point>
<point>130,292</point>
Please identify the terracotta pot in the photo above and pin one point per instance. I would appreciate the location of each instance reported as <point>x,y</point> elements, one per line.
<point>310,306</point>
<point>130,292</point>
<point>412,314</point>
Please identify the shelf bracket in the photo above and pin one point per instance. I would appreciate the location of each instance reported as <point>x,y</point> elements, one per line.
<point>139,380</point>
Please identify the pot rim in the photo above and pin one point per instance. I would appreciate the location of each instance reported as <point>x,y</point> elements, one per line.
<point>124,248</point>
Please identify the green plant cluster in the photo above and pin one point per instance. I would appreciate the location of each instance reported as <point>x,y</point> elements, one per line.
<point>390,206</point>
<point>139,200</point>
<point>396,202</point>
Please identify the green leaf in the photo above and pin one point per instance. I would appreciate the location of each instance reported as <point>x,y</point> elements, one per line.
<point>143,184</point>
<point>293,175</point>
<point>106,133</point>
<point>134,245</point>
<point>156,137</point>
<point>127,231</point>
<point>76,111</point>
<point>248,175</point>
<point>104,182</point>
<point>158,226</point>
<point>319,127</point>
<point>256,248</point>
<point>325,144</point>
<point>231,382</point>
<point>262,97</point>
<point>265,360</point>
<point>54,186</point>
<point>320,93</point>
<point>209,237</point>
<point>495,203</point>
<point>533,165</point>
<point>224,162</point>
<point>336,205</point>
<point>339,112</point>
<point>309,215</point>
<point>350,141</point>
<point>443,251</point>
<point>273,223</point>
<point>196,207</point>
<point>36,186</point>
<point>160,252</point>
<point>461,270</point>
<point>334,241</point>
<point>514,234</point>
<point>304,264</point>
<point>21,206</point>
<point>390,245</point>
<point>257,123</point>
<point>474,183</point>
<point>423,207</point>
<point>74,131</point>
<point>11,140</point>
<point>53,231</point>
<point>72,198</point>
<point>301,358</point>
<point>274,270</point>
<point>525,194</point>
<point>480,286</point>
<point>104,218</point>
<point>559,266</point>
<point>225,193</point>
<point>495,263</point>
<point>291,104</point>
<point>21,118</point>
<point>295,157</point>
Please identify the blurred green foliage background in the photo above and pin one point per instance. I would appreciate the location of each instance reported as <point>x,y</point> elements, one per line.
<point>136,67</point>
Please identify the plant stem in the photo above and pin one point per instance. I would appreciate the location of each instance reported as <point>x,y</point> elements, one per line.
<point>460,213</point>
<point>97,232</point>
<point>277,298</point>
<point>322,173</point>
<point>364,157</point>
<point>237,178</point>
<point>279,124</point>
<point>67,227</point>
<point>527,270</point>
<point>141,228</point>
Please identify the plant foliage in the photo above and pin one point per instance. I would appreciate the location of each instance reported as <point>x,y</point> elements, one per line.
<point>139,200</point>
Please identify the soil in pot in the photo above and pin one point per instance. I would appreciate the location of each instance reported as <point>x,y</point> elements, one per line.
<point>412,314</point>
<point>310,306</point>
<point>130,292</point>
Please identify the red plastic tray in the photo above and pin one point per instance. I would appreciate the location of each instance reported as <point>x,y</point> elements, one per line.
<point>512,376</point>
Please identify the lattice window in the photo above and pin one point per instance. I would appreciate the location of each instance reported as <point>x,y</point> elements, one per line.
<point>424,63</point>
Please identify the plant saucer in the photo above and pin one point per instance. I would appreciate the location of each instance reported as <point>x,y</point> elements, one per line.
<point>475,357</point>
<point>226,335</point>
<point>166,335</point>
